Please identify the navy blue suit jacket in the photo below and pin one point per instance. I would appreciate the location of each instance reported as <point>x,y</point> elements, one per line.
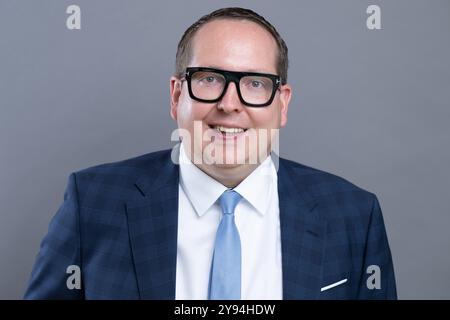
<point>118,223</point>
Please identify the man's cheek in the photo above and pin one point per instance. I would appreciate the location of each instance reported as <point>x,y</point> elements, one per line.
<point>265,121</point>
<point>197,112</point>
<point>185,113</point>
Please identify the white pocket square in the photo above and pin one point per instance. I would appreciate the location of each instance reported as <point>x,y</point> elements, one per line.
<point>333,285</point>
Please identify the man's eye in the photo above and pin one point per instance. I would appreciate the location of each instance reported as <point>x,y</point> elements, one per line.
<point>256,84</point>
<point>208,79</point>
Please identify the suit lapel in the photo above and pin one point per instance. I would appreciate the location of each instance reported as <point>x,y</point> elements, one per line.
<point>152,224</point>
<point>302,236</point>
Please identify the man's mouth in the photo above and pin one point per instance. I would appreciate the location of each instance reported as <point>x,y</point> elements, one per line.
<point>228,131</point>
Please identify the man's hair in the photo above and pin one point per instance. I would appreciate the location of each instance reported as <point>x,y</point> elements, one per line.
<point>184,51</point>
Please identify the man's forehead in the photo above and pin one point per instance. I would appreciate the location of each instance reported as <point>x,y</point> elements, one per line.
<point>236,45</point>
<point>242,69</point>
<point>229,29</point>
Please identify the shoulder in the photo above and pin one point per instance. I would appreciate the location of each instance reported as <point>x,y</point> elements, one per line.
<point>316,178</point>
<point>130,167</point>
<point>119,177</point>
<point>336,195</point>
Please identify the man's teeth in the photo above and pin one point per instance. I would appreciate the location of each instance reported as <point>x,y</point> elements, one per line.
<point>228,130</point>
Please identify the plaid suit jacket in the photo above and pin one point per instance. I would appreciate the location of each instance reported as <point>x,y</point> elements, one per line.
<point>118,223</point>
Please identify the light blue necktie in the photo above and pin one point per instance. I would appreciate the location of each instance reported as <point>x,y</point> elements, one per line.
<point>225,277</point>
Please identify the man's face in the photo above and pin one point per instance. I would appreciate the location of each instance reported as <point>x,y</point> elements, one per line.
<point>234,46</point>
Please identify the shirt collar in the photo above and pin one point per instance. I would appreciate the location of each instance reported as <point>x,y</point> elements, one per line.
<point>203,191</point>
<point>257,187</point>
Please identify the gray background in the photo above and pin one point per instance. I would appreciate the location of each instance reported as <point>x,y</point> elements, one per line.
<point>371,106</point>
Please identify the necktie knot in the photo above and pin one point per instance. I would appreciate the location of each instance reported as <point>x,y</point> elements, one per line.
<point>229,200</point>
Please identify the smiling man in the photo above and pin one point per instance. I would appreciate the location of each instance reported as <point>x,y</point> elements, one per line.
<point>221,216</point>
<point>231,84</point>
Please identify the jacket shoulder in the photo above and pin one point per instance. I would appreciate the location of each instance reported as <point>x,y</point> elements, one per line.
<point>131,167</point>
<point>330,190</point>
<point>314,176</point>
<point>107,185</point>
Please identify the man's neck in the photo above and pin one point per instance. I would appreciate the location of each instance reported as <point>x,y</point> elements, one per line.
<point>229,176</point>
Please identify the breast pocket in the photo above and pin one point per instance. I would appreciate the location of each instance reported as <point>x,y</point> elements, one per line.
<point>335,287</point>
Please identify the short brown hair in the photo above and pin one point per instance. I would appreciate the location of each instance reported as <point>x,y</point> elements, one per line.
<point>184,51</point>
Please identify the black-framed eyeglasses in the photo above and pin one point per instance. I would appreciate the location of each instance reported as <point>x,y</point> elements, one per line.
<point>209,85</point>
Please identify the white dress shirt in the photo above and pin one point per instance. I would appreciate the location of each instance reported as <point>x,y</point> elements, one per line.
<point>257,220</point>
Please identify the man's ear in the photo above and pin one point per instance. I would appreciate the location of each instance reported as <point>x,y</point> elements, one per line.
<point>285,98</point>
<point>175,92</point>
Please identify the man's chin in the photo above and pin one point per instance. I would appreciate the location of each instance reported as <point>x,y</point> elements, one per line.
<point>232,162</point>
<point>227,165</point>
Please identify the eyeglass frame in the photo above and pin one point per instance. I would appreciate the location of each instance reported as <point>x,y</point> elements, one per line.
<point>231,76</point>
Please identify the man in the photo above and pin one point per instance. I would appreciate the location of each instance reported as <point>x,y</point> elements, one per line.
<point>223,217</point>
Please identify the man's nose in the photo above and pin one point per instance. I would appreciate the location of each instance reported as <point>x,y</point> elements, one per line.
<point>230,101</point>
